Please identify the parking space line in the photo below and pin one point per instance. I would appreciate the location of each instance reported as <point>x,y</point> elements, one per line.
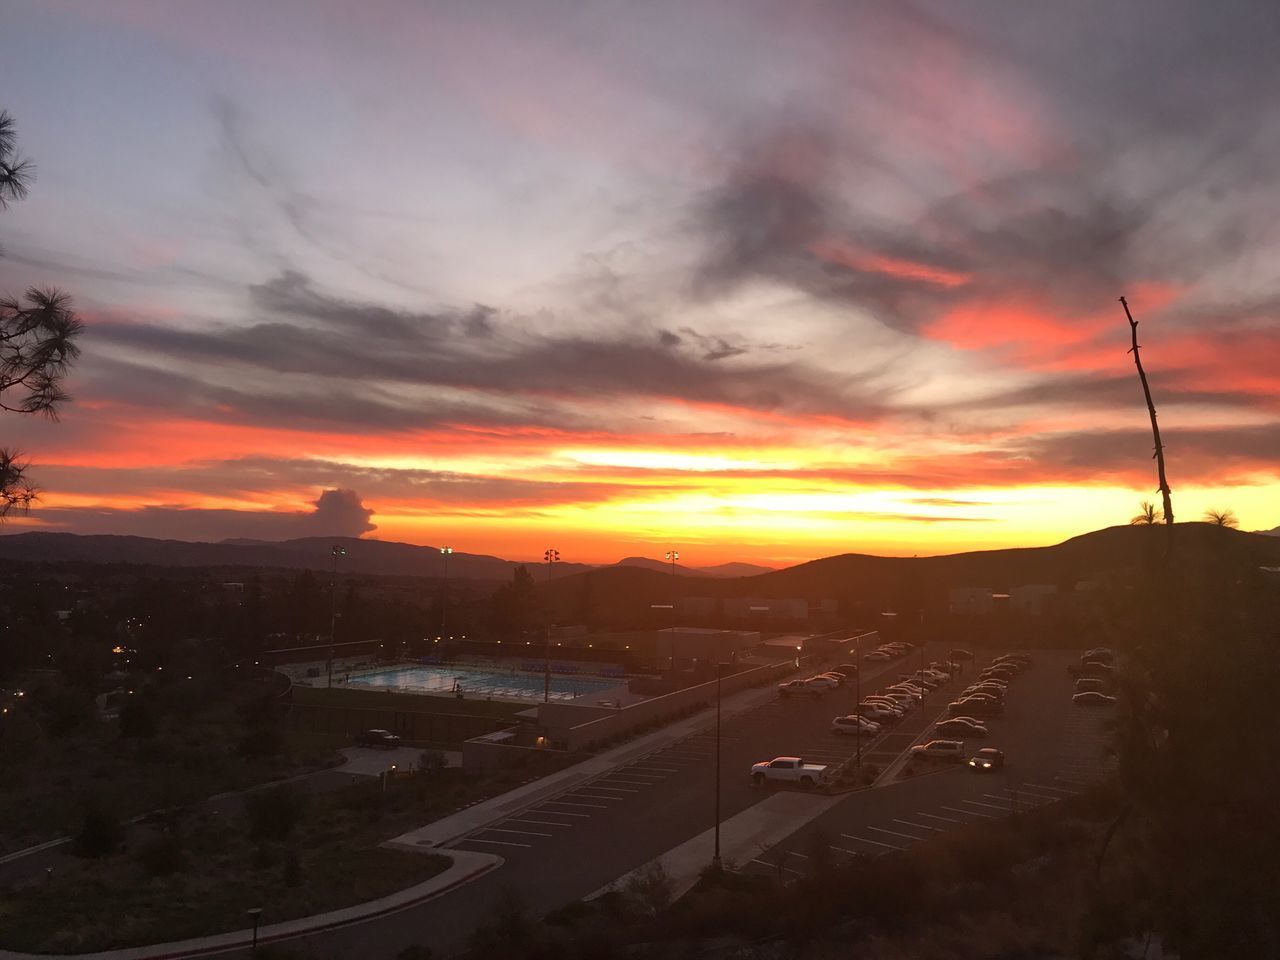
<point>1011,798</point>
<point>1047,798</point>
<point>878,843</point>
<point>989,806</point>
<point>590,796</point>
<point>971,813</point>
<point>647,776</point>
<point>848,853</point>
<point>545,823</point>
<point>563,813</point>
<point>523,833</point>
<point>612,779</point>
<point>894,833</point>
<point>918,826</point>
<point>1041,786</point>
<point>569,803</point>
<point>596,785</point>
<point>647,766</point>
<point>933,816</point>
<point>496,843</point>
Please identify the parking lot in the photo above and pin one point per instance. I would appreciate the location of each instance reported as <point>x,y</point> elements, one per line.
<point>1053,748</point>
<point>671,790</point>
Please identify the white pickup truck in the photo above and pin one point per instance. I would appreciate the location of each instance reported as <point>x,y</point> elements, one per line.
<point>789,770</point>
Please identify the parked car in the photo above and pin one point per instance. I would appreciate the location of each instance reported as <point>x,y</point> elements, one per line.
<point>377,738</point>
<point>822,682</point>
<point>1103,654</point>
<point>961,727</point>
<point>1088,684</point>
<point>848,669</point>
<point>959,653</point>
<point>975,707</point>
<point>879,712</point>
<point>839,678</point>
<point>811,687</point>
<point>952,750</point>
<point>854,725</point>
<point>1090,670</point>
<point>901,704</point>
<point>789,770</point>
<point>988,758</point>
<point>1092,698</point>
<point>877,656</point>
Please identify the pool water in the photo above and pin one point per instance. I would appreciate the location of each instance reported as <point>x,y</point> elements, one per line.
<point>484,683</point>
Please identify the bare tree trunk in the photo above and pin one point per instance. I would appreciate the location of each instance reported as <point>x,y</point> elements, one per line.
<point>1151,408</point>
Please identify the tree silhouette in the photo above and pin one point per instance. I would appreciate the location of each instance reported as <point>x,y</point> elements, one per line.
<point>1148,514</point>
<point>38,333</point>
<point>1221,518</point>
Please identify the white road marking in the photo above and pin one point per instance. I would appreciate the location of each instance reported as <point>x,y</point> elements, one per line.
<point>496,843</point>
<point>933,816</point>
<point>878,843</point>
<point>562,813</point>
<point>590,796</point>
<point>647,766</point>
<point>918,826</point>
<point>1041,786</point>
<point>613,779</point>
<point>523,833</point>
<point>545,823</point>
<point>596,785</point>
<point>849,853</point>
<point>569,803</point>
<point>971,813</point>
<point>647,776</point>
<point>989,806</point>
<point>895,833</point>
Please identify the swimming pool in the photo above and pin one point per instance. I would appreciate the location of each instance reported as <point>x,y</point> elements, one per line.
<point>480,683</point>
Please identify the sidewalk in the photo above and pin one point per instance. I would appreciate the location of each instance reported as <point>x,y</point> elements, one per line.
<point>457,825</point>
<point>742,838</point>
<point>466,867</point>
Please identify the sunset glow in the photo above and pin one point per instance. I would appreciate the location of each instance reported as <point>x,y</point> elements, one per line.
<point>604,292</point>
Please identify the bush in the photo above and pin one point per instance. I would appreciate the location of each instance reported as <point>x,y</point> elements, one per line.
<point>432,762</point>
<point>164,855</point>
<point>100,834</point>
<point>651,889</point>
<point>274,813</point>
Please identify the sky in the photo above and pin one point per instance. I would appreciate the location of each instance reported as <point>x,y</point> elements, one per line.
<point>756,281</point>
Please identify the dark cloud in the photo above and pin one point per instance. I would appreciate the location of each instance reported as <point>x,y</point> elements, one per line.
<point>336,513</point>
<point>361,354</point>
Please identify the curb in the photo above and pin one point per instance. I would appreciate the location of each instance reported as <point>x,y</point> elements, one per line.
<point>244,938</point>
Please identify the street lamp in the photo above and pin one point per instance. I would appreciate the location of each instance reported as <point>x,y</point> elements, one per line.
<point>715,859</point>
<point>255,914</point>
<point>551,556</point>
<point>857,691</point>
<point>337,551</point>
<point>673,556</point>
<point>445,552</point>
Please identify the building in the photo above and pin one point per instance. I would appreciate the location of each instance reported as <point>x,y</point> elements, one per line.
<point>970,601</point>
<point>1032,599</point>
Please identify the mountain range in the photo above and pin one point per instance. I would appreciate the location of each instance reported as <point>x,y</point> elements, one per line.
<point>362,556</point>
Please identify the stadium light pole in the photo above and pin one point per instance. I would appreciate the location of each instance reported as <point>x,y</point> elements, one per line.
<point>673,556</point>
<point>445,552</point>
<point>337,551</point>
<point>551,556</point>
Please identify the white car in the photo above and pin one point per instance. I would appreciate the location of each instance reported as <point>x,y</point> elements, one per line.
<point>879,711</point>
<point>877,656</point>
<point>854,725</point>
<point>903,700</point>
<point>822,682</point>
<point>952,750</point>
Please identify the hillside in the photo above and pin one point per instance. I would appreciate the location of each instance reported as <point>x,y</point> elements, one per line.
<point>363,556</point>
<point>907,582</point>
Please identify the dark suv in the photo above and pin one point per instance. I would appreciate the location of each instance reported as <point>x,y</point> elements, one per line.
<point>377,738</point>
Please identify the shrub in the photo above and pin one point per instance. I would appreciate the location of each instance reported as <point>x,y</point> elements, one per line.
<point>100,834</point>
<point>164,855</point>
<point>432,762</point>
<point>651,889</point>
<point>274,813</point>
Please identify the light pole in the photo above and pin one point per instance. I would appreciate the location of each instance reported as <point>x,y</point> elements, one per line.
<point>337,551</point>
<point>715,859</point>
<point>857,691</point>
<point>673,556</point>
<point>551,556</point>
<point>255,914</point>
<point>445,552</point>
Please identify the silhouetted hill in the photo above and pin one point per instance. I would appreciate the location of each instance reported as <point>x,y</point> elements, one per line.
<point>662,566</point>
<point>725,570</point>
<point>363,556</point>
<point>880,583</point>
<point>719,570</point>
